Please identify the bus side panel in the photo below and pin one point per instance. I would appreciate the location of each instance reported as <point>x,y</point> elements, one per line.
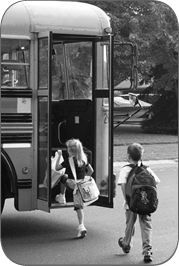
<point>25,199</point>
<point>21,158</point>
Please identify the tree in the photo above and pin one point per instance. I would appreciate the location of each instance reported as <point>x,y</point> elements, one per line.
<point>153,26</point>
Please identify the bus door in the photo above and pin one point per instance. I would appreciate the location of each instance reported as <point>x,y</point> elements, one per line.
<point>44,121</point>
<point>103,106</point>
<point>82,103</point>
<point>80,106</point>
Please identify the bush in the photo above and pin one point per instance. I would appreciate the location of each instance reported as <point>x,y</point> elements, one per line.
<point>164,119</point>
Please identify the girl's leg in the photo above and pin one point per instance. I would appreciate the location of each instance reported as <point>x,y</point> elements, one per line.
<point>80,215</point>
<point>81,229</point>
<point>62,188</point>
<point>60,198</point>
<point>55,191</point>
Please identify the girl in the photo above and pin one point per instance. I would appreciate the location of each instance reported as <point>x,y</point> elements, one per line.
<point>75,150</point>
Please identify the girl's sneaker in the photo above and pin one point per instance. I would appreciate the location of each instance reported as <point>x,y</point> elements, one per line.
<point>81,231</point>
<point>60,198</point>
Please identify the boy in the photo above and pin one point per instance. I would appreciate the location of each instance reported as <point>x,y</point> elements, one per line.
<point>134,154</point>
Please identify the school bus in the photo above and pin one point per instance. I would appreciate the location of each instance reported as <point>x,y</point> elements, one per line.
<point>56,84</point>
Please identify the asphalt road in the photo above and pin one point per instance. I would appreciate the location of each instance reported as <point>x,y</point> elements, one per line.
<point>32,238</point>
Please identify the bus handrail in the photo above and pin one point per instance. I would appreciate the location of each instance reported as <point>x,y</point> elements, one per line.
<point>59,125</point>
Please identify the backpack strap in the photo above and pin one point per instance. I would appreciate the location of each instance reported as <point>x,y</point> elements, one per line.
<point>142,165</point>
<point>134,165</point>
<point>133,169</point>
<point>72,166</point>
<point>130,165</point>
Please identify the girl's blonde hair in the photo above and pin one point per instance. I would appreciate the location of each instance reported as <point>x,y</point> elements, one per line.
<point>77,149</point>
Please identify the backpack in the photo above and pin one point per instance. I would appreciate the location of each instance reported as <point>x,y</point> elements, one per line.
<point>141,191</point>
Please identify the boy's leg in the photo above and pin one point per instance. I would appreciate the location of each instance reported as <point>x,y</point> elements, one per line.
<point>125,243</point>
<point>129,232</point>
<point>146,233</point>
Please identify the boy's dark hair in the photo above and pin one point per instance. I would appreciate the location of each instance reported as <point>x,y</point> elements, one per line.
<point>135,151</point>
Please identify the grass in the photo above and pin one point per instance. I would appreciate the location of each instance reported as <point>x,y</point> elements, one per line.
<point>156,146</point>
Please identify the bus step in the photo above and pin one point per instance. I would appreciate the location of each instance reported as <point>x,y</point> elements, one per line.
<point>58,205</point>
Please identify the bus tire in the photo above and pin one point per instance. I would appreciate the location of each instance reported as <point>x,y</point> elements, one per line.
<point>2,198</point>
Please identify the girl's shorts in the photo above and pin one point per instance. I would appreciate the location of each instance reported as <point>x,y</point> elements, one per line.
<point>76,208</point>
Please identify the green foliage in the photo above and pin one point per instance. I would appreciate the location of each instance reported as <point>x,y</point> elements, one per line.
<point>153,26</point>
<point>165,116</point>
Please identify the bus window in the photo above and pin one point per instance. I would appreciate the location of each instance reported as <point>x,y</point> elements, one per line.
<point>15,63</point>
<point>71,71</point>
<point>105,77</point>
<point>78,59</point>
<point>43,138</point>
<point>58,73</point>
<point>43,63</point>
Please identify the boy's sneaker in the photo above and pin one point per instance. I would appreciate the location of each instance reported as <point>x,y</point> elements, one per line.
<point>81,231</point>
<point>148,257</point>
<point>60,198</point>
<point>125,249</point>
